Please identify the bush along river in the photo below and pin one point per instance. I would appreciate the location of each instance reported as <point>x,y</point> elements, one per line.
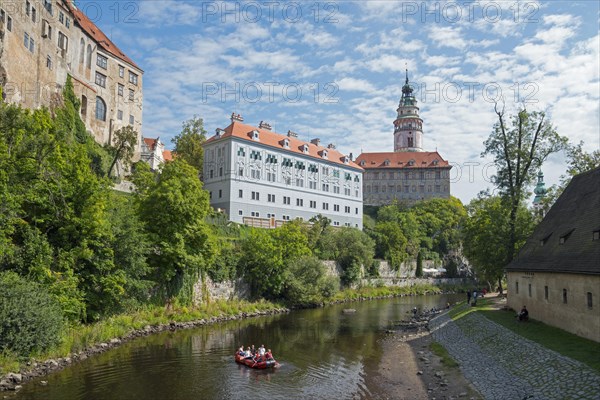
<point>324,353</point>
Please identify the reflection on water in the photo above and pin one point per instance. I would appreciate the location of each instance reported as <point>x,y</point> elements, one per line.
<point>323,353</point>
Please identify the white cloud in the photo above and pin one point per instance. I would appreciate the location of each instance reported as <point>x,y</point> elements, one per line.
<point>353,84</point>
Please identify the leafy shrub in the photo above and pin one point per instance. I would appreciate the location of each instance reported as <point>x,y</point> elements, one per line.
<point>30,319</point>
<point>307,282</point>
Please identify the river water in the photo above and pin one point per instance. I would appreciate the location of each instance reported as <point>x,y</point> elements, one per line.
<point>324,354</point>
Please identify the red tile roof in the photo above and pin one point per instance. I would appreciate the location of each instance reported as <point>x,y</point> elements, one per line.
<point>98,36</point>
<point>168,155</point>
<point>421,159</point>
<point>150,143</point>
<point>275,140</point>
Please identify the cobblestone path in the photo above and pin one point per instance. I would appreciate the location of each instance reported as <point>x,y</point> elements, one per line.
<point>505,366</point>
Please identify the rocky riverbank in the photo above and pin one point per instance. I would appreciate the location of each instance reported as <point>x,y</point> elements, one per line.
<point>33,369</point>
<point>411,370</point>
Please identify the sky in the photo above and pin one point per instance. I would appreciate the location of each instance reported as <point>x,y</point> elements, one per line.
<point>334,69</point>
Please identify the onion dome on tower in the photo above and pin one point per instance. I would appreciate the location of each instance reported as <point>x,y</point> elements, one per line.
<point>408,126</point>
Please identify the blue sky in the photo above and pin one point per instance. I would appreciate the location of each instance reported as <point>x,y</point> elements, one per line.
<point>334,70</point>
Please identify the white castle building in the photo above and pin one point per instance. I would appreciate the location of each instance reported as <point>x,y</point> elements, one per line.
<point>262,178</point>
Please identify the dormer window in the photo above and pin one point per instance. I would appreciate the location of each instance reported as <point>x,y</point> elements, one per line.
<point>436,161</point>
<point>386,162</point>
<point>363,163</point>
<point>346,159</point>
<point>305,148</point>
<point>324,154</point>
<point>563,239</point>
<point>286,143</point>
<point>255,135</point>
<point>411,162</point>
<point>545,240</point>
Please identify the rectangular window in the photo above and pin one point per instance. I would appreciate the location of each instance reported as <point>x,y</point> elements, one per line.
<point>336,207</point>
<point>325,206</point>
<point>33,15</point>
<point>61,17</point>
<point>255,173</point>
<point>589,299</point>
<point>220,171</point>
<point>336,189</point>
<point>67,22</point>
<point>326,187</point>
<point>299,203</point>
<point>100,79</point>
<point>356,211</point>
<point>120,89</point>
<point>220,193</point>
<point>271,198</point>
<point>299,182</point>
<point>101,61</point>
<point>240,193</point>
<point>313,204</point>
<point>27,7</point>
<point>312,184</point>
<point>241,152</point>
<point>48,6</point>
<point>121,71</point>
<point>240,212</point>
<point>211,173</point>
<point>31,45</point>
<point>517,287</point>
<point>347,209</point>
<point>255,196</point>
<point>49,62</point>
<point>287,200</point>
<point>565,296</point>
<point>271,176</point>
<point>9,24</point>
<point>255,155</point>
<point>26,40</point>
<point>63,41</point>
<point>131,94</point>
<point>120,115</point>
<point>529,289</point>
<point>131,120</point>
<point>133,78</point>
<point>545,292</point>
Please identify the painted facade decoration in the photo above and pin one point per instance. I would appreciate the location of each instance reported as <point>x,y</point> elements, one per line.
<point>262,178</point>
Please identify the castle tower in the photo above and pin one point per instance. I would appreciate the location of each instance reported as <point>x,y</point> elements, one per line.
<point>408,126</point>
<point>540,192</point>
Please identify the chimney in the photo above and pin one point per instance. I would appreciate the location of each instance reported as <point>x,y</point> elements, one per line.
<point>331,146</point>
<point>236,117</point>
<point>264,125</point>
<point>316,141</point>
<point>292,134</point>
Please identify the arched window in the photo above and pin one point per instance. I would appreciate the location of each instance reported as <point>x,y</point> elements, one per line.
<point>100,109</point>
<point>81,51</point>
<point>89,57</point>
<point>410,142</point>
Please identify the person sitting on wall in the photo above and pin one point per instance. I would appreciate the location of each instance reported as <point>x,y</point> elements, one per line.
<point>523,314</point>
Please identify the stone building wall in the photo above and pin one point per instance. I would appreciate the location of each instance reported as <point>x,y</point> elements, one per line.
<point>575,315</point>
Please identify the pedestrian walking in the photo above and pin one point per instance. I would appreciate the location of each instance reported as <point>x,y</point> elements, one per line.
<point>468,297</point>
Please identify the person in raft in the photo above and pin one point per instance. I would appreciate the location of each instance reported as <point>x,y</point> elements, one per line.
<point>241,351</point>
<point>261,350</point>
<point>269,355</point>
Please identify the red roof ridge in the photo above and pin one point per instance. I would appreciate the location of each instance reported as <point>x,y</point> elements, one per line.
<point>402,159</point>
<point>273,139</point>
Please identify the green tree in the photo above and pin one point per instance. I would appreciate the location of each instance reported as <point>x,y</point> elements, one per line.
<point>307,283</point>
<point>292,238</point>
<point>419,269</point>
<point>262,264</point>
<point>123,147</point>
<point>30,319</point>
<point>519,147</point>
<point>188,144</point>
<point>351,249</point>
<point>173,212</point>
<point>487,234</point>
<point>391,243</point>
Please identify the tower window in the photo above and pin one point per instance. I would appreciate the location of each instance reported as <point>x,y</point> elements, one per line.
<point>565,296</point>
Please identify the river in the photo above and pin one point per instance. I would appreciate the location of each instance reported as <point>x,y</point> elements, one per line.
<point>324,354</point>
